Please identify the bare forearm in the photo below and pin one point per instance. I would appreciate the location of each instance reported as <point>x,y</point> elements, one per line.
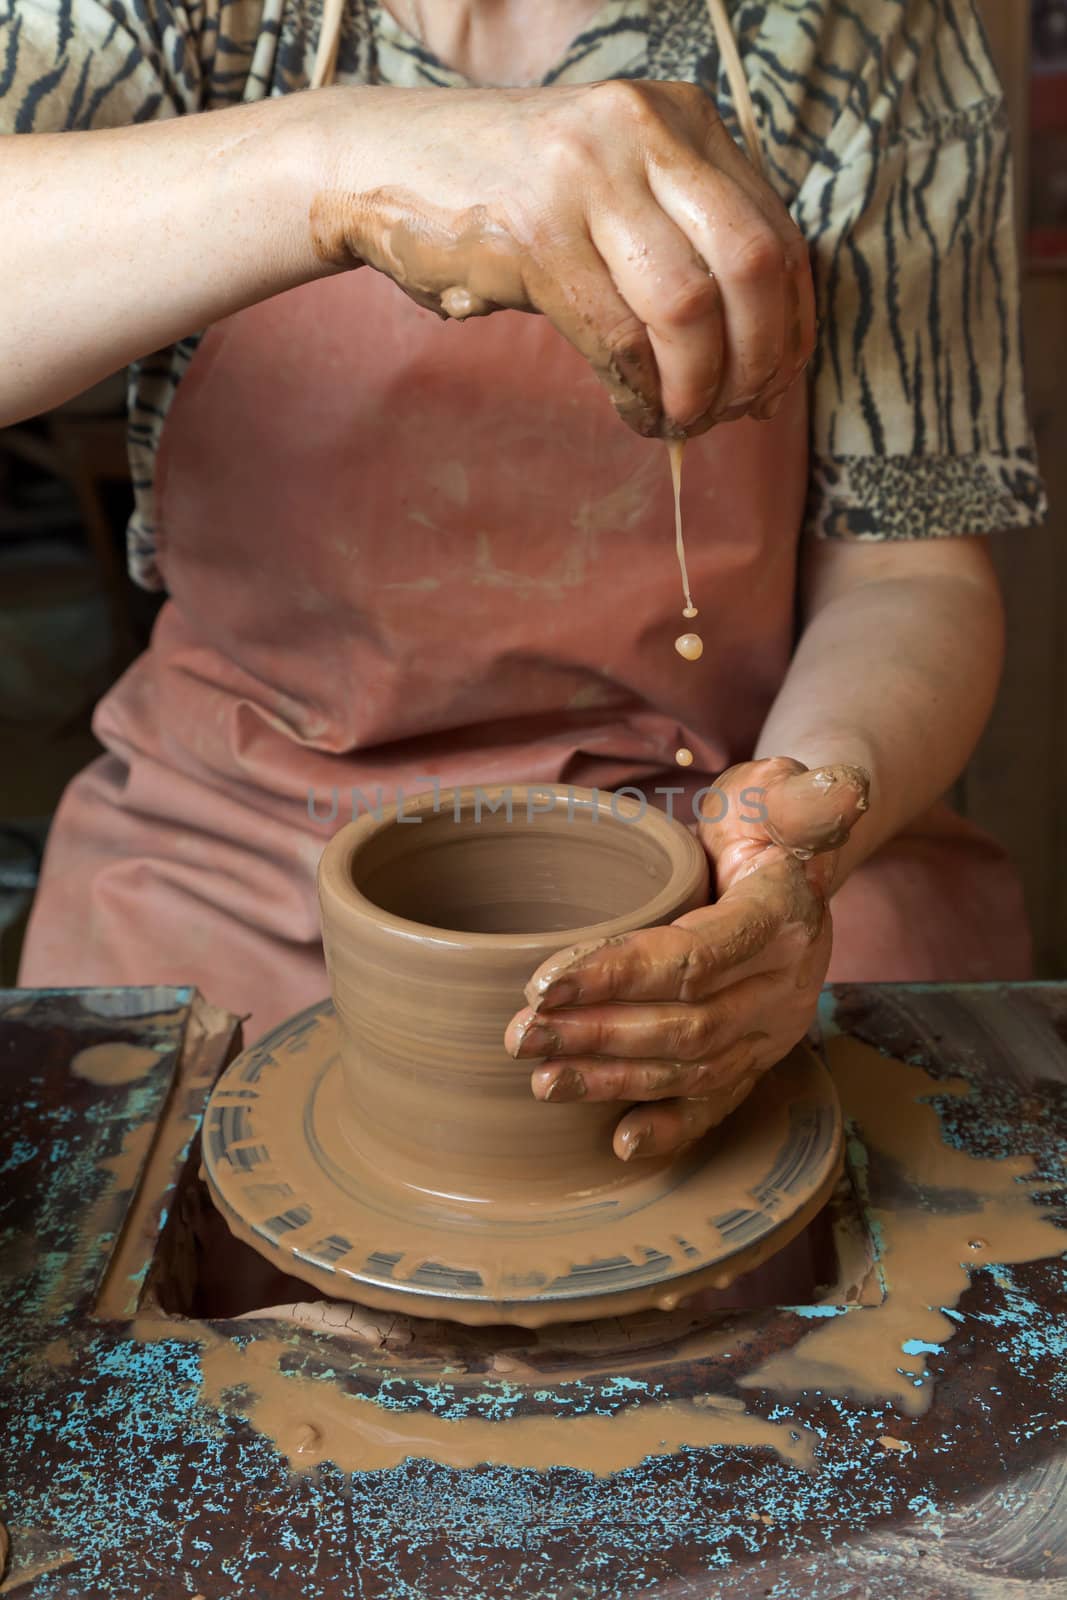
<point>117,242</point>
<point>896,672</point>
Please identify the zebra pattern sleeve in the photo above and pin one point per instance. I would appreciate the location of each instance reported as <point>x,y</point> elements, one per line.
<point>72,65</point>
<point>919,424</point>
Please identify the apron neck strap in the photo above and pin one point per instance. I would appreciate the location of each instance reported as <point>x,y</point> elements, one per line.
<point>735,77</point>
<point>330,33</point>
<point>329,37</point>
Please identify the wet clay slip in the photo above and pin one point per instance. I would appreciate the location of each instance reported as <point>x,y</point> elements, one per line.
<point>387,1149</point>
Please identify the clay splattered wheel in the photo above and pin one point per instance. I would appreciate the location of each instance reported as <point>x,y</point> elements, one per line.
<point>699,1222</point>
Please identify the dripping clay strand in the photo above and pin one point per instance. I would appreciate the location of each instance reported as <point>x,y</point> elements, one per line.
<point>675,453</point>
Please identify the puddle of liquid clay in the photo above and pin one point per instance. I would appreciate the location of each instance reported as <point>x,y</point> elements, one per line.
<point>114,1062</point>
<point>312,1421</point>
<point>871,1353</point>
<point>515,1242</point>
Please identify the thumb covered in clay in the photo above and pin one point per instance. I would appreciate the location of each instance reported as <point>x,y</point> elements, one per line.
<point>809,810</point>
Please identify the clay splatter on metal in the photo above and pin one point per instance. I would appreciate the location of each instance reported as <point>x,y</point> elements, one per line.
<point>121,1481</point>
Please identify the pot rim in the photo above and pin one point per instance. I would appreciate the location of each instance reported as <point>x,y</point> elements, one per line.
<point>340,898</point>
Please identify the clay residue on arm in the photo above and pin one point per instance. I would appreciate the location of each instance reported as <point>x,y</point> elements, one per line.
<point>471,263</point>
<point>460,265</point>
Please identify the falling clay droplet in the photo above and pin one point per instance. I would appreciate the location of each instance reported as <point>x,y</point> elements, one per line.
<point>684,757</point>
<point>689,612</point>
<point>690,645</point>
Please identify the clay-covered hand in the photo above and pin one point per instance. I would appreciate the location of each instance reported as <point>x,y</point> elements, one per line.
<point>623,211</point>
<point>685,1018</point>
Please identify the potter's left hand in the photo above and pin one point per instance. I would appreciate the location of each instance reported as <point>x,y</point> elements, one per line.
<point>688,1016</point>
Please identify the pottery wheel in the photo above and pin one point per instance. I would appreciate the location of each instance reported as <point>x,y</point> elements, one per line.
<point>319,1214</point>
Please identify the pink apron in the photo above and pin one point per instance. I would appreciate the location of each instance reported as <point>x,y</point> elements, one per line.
<point>399,551</point>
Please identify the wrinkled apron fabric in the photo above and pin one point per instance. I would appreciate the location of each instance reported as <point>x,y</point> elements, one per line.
<point>399,551</point>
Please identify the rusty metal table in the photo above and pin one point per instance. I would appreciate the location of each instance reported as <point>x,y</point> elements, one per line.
<point>118,1481</point>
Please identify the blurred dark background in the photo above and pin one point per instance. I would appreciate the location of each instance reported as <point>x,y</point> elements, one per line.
<point>71,620</point>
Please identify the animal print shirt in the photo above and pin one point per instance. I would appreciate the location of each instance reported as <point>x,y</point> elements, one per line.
<point>883,127</point>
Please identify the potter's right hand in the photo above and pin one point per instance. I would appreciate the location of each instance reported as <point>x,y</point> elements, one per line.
<point>682,1020</point>
<point>622,211</point>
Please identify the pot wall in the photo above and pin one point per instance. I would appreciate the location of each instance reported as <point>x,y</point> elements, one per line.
<point>434,1100</point>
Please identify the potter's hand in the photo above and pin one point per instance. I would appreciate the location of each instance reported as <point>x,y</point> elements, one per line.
<point>690,1015</point>
<point>622,211</point>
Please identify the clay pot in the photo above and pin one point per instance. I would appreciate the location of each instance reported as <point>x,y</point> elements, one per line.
<point>432,923</point>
